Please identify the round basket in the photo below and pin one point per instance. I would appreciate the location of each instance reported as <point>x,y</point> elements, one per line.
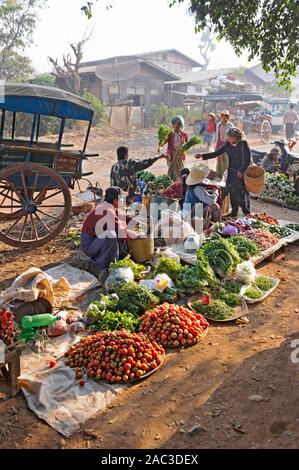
<point>254,179</point>
<point>141,249</point>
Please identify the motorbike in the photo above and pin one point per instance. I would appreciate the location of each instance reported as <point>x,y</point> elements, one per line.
<point>289,162</point>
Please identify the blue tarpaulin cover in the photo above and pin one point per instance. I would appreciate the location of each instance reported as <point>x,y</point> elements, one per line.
<point>46,101</point>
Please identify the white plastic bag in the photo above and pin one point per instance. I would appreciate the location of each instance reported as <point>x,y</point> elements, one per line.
<point>168,253</point>
<point>173,228</point>
<point>245,272</point>
<point>118,278</point>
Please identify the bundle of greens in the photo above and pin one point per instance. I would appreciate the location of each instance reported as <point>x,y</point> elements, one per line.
<point>146,176</point>
<point>215,310</point>
<point>135,298</point>
<point>222,256</point>
<point>161,182</point>
<point>163,134</point>
<point>205,268</point>
<point>280,232</point>
<point>233,287</point>
<point>231,299</point>
<point>191,143</point>
<point>293,227</point>
<point>168,266</point>
<point>259,224</point>
<point>190,280</point>
<point>253,293</point>
<point>127,262</point>
<point>117,321</point>
<point>263,283</point>
<point>246,248</point>
<point>154,182</point>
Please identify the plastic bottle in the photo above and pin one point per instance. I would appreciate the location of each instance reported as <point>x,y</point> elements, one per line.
<point>38,321</point>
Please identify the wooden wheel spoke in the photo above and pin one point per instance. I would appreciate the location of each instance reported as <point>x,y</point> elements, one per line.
<point>10,207</point>
<point>23,229</point>
<point>42,222</point>
<point>24,185</point>
<point>17,192</point>
<point>35,182</point>
<point>5,197</point>
<point>49,215</point>
<point>34,227</point>
<point>12,199</point>
<point>52,195</point>
<point>53,205</point>
<point>43,191</point>
<point>14,224</point>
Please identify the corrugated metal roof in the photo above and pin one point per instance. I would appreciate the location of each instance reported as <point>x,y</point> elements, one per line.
<point>201,76</point>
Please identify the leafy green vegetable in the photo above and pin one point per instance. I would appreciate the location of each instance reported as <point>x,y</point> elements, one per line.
<point>190,279</point>
<point>155,182</point>
<point>168,266</point>
<point>232,286</point>
<point>263,283</point>
<point>261,225</point>
<point>127,262</point>
<point>135,298</point>
<point>216,310</point>
<point>146,176</point>
<point>96,310</point>
<point>231,299</point>
<point>222,255</point>
<point>245,247</point>
<point>191,143</point>
<point>293,227</point>
<point>163,134</point>
<point>280,232</point>
<point>118,320</point>
<point>253,293</point>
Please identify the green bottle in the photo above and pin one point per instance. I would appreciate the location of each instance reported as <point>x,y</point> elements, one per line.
<point>29,323</point>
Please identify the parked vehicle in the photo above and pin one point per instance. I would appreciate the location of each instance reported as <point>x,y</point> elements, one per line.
<point>254,118</point>
<point>289,162</point>
<point>279,107</point>
<point>35,176</point>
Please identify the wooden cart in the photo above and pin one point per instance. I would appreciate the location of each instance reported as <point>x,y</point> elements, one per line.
<point>36,177</point>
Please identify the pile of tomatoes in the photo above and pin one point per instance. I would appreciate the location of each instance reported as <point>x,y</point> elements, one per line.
<point>173,325</point>
<point>115,356</point>
<point>7,329</point>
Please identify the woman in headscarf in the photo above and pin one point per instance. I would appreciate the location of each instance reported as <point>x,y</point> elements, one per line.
<point>239,159</point>
<point>177,138</point>
<point>222,130</point>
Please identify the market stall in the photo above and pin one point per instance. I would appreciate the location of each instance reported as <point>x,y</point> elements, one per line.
<point>76,354</point>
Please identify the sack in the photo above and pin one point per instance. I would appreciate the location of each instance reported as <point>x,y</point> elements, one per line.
<point>118,278</point>
<point>245,272</point>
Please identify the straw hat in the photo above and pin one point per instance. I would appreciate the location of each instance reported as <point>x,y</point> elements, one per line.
<point>198,173</point>
<point>225,112</point>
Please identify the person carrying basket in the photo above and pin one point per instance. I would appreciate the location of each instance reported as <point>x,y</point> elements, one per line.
<point>239,159</point>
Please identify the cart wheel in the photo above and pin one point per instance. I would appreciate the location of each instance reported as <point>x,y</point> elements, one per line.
<point>35,205</point>
<point>266,131</point>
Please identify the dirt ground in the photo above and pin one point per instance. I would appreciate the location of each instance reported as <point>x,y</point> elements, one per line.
<point>200,397</point>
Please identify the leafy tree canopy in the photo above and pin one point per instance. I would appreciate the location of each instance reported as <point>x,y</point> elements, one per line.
<point>267,29</point>
<point>17,19</point>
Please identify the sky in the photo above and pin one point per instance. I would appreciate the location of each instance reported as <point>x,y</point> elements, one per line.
<point>131,26</point>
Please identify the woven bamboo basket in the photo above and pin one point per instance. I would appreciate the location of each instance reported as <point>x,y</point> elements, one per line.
<point>141,249</point>
<point>254,178</point>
